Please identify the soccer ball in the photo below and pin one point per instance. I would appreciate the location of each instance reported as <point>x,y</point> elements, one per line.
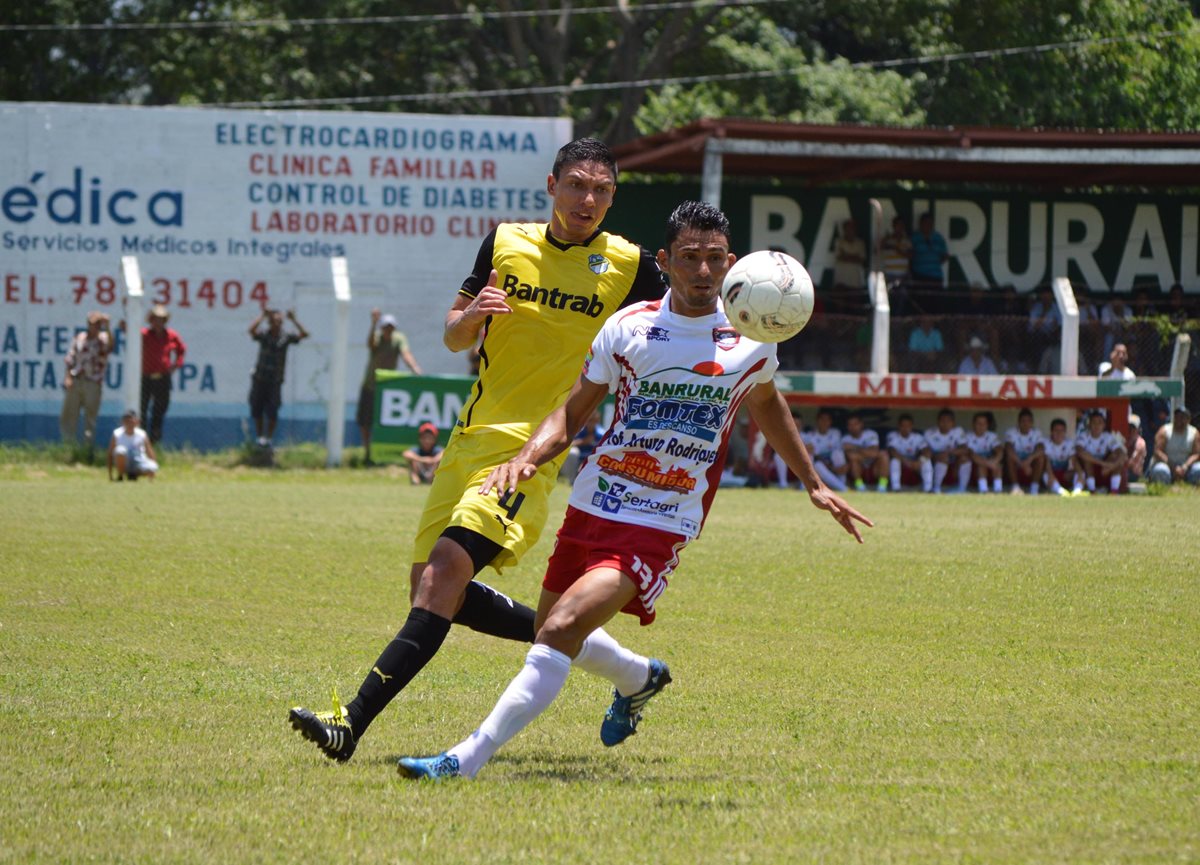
<point>768,296</point>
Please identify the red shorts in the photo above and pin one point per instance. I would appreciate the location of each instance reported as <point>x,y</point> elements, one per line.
<point>910,477</point>
<point>586,542</point>
<point>1060,475</point>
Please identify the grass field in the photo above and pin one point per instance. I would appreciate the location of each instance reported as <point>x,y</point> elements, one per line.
<point>986,680</point>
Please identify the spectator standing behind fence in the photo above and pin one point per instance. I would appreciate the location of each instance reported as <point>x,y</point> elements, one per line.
<point>976,362</point>
<point>1115,318</point>
<point>1177,451</point>
<point>1045,323</point>
<point>929,253</point>
<point>266,382</point>
<point>387,347</point>
<point>849,275</point>
<point>925,346</point>
<point>83,380</point>
<point>130,451</point>
<point>895,252</point>
<point>424,459</point>
<point>162,354</point>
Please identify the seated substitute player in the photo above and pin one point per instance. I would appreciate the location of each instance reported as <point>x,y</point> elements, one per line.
<point>1062,469</point>
<point>908,454</point>
<point>634,508</point>
<point>539,293</point>
<point>948,449</point>
<point>866,462</point>
<point>824,443</point>
<point>1024,453</point>
<point>1101,455</point>
<point>985,452</point>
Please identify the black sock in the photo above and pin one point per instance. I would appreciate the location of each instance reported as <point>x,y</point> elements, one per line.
<point>490,612</point>
<point>404,657</point>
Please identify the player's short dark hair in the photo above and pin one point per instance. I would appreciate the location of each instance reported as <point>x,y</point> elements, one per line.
<point>824,411</point>
<point>699,215</point>
<point>946,413</point>
<point>986,415</point>
<point>584,150</point>
<point>1058,422</point>
<point>904,417</point>
<point>1025,412</point>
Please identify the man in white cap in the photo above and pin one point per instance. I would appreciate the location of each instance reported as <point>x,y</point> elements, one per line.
<point>976,362</point>
<point>387,346</point>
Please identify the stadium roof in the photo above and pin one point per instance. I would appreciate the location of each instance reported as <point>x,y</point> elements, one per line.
<point>1061,158</point>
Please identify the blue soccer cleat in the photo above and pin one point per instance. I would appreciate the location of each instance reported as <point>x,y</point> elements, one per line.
<point>429,768</point>
<point>623,715</point>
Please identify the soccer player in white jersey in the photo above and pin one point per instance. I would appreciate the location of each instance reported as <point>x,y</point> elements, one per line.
<point>1101,455</point>
<point>985,451</point>
<point>1025,453</point>
<point>866,461</point>
<point>909,453</point>
<point>1062,469</point>
<point>679,372</point>
<point>947,448</point>
<point>824,443</point>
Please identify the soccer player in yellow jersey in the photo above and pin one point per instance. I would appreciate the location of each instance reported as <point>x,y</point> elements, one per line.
<point>538,293</point>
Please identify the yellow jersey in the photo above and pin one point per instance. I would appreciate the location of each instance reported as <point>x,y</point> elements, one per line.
<point>560,294</point>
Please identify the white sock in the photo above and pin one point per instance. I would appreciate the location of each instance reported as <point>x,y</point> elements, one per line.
<point>601,655</point>
<point>526,697</point>
<point>997,485</point>
<point>1033,488</point>
<point>1114,483</point>
<point>964,476</point>
<point>926,474</point>
<point>1055,486</point>
<point>939,475</point>
<point>1091,483</point>
<point>982,485</point>
<point>832,479</point>
<point>895,473</point>
<point>781,470</point>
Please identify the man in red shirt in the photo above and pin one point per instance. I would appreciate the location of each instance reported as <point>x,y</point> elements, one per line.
<point>162,354</point>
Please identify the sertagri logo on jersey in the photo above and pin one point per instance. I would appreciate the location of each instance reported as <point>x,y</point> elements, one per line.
<point>597,263</point>
<point>653,333</point>
<point>645,469</point>
<point>590,305</point>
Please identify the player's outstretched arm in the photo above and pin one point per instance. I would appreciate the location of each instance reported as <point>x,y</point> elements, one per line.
<point>552,437</point>
<point>468,314</point>
<point>770,412</point>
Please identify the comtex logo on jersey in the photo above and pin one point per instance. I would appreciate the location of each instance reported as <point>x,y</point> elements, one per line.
<point>590,305</point>
<point>645,469</point>
<point>699,419</point>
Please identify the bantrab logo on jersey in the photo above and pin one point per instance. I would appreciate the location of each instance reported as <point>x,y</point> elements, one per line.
<point>597,263</point>
<point>652,332</point>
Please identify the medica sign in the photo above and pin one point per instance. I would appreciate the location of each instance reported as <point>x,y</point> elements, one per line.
<point>229,212</point>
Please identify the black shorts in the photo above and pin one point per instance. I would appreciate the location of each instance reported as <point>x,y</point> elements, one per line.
<point>365,413</point>
<point>265,398</point>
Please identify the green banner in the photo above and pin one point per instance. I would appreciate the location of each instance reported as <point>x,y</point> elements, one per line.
<point>403,402</point>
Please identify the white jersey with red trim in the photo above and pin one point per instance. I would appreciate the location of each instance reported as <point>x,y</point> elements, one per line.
<point>909,446</point>
<point>1060,453</point>
<point>823,444</point>
<point>1099,446</point>
<point>983,445</point>
<point>939,442</point>
<point>678,383</point>
<point>868,438</point>
<point>1024,443</point>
